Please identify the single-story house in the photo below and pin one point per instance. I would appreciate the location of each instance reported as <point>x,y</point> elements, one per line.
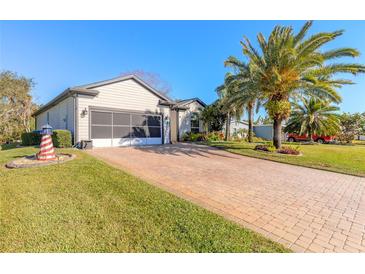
<point>122,111</point>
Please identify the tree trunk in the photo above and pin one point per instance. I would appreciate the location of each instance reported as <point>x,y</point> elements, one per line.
<point>277,133</point>
<point>310,135</point>
<point>228,126</point>
<point>250,123</point>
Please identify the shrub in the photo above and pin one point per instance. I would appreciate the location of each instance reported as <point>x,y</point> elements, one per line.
<point>31,138</point>
<point>289,150</point>
<point>268,148</point>
<point>240,134</point>
<point>215,136</point>
<point>255,139</point>
<point>193,137</point>
<point>258,140</point>
<point>62,138</point>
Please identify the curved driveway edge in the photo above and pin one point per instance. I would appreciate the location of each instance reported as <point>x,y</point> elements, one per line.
<point>305,209</point>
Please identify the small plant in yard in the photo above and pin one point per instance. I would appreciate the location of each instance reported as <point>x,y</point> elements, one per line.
<point>193,137</point>
<point>215,136</point>
<point>267,148</point>
<point>283,150</point>
<point>256,140</point>
<point>289,150</point>
<point>240,134</point>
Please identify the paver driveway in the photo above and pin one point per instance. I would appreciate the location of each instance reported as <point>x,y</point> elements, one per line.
<point>305,209</point>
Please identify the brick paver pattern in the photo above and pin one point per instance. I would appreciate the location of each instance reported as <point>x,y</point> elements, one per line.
<point>305,209</point>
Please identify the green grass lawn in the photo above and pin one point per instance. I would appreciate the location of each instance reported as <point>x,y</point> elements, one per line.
<point>338,158</point>
<point>87,206</point>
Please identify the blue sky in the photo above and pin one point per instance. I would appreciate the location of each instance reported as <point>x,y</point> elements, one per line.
<point>189,55</point>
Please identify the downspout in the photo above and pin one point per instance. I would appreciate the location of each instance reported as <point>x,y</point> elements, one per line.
<point>177,125</point>
<point>75,118</point>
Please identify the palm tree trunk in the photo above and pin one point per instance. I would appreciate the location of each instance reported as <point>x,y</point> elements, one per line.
<point>250,122</point>
<point>228,126</point>
<point>277,133</point>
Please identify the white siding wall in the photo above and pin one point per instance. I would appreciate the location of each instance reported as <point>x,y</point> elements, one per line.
<point>41,120</point>
<point>61,116</point>
<point>235,126</point>
<point>185,118</point>
<point>127,95</point>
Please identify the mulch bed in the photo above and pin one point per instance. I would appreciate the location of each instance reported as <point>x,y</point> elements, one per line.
<point>31,161</point>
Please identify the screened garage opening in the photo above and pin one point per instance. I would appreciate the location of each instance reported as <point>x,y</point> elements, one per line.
<point>114,128</point>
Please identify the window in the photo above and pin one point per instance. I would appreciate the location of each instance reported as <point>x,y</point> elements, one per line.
<point>101,132</point>
<point>121,131</point>
<point>101,118</point>
<point>139,126</point>
<point>139,132</point>
<point>194,122</point>
<point>105,125</point>
<point>154,126</point>
<point>146,126</point>
<point>101,125</point>
<point>121,125</point>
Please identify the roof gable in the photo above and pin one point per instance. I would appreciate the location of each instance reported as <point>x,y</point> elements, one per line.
<point>188,101</point>
<point>124,78</point>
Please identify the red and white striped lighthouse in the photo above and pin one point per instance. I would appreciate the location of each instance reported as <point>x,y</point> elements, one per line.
<point>47,151</point>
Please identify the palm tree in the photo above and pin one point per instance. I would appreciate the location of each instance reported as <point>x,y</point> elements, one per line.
<point>313,116</point>
<point>288,65</point>
<point>225,92</point>
<point>245,94</point>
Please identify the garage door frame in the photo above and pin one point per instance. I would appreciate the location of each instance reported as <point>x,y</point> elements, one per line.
<point>127,111</point>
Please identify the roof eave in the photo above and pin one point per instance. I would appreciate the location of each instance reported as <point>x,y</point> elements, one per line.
<point>65,94</point>
<point>188,101</point>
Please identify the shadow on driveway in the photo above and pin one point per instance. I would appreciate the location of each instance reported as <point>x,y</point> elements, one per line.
<point>186,149</point>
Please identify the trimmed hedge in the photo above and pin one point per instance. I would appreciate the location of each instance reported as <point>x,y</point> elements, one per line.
<point>60,137</point>
<point>31,139</point>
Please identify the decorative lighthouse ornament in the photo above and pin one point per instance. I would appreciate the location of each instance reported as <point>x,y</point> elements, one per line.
<point>47,151</point>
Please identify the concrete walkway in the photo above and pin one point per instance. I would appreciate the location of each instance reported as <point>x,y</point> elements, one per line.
<point>305,209</point>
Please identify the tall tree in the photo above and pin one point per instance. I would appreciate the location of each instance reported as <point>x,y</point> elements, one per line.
<point>213,117</point>
<point>16,106</point>
<point>245,93</point>
<point>351,125</point>
<point>313,116</point>
<point>289,64</point>
<point>225,93</point>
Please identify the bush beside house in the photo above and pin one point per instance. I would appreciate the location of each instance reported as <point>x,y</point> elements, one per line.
<point>30,138</point>
<point>61,138</point>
